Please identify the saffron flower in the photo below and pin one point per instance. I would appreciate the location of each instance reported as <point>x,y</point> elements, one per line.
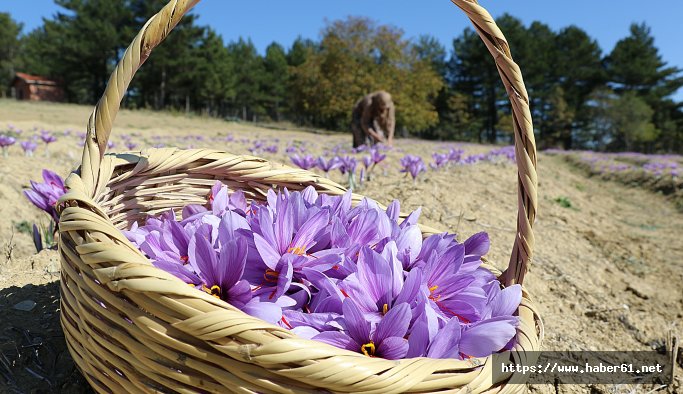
<point>412,165</point>
<point>376,155</point>
<point>5,142</point>
<point>29,147</point>
<point>440,160</point>
<point>357,278</point>
<point>305,162</point>
<point>386,340</point>
<point>47,139</point>
<point>328,165</point>
<point>45,195</point>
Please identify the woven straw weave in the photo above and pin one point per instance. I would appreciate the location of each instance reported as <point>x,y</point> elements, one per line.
<point>131,327</point>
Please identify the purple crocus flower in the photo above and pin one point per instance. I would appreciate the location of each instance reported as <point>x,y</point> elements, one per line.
<point>5,142</point>
<point>221,200</point>
<point>459,340</point>
<point>45,195</point>
<point>328,165</point>
<point>305,162</point>
<point>367,162</point>
<point>222,277</point>
<point>359,149</point>
<point>412,165</point>
<point>385,341</point>
<point>454,155</point>
<point>348,164</point>
<point>47,138</point>
<point>376,155</point>
<point>29,147</point>
<point>440,160</point>
<point>379,286</point>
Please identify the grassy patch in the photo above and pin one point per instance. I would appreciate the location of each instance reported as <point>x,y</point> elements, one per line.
<point>23,227</point>
<point>564,202</point>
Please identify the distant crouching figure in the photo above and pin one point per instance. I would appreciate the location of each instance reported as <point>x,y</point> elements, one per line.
<point>373,119</point>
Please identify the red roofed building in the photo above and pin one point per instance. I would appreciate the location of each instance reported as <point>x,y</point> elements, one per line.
<point>36,88</point>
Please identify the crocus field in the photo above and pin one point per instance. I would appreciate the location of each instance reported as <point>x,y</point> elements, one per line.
<point>606,273</point>
<point>658,173</point>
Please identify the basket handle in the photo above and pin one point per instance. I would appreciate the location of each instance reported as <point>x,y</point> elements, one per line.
<point>160,25</point>
<point>102,118</point>
<point>525,144</point>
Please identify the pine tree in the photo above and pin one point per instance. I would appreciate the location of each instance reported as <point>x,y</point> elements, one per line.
<point>9,45</point>
<point>635,66</point>
<point>275,80</point>
<point>249,73</point>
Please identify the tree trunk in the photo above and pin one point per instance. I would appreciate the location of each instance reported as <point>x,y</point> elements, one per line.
<point>162,89</point>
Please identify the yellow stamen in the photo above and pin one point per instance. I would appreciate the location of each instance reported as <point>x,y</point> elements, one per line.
<point>385,308</point>
<point>368,349</point>
<point>431,293</point>
<point>298,250</point>
<point>215,291</point>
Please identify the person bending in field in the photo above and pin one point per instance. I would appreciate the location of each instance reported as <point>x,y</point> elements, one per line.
<point>373,120</point>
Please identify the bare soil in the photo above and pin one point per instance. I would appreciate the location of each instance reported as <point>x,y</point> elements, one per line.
<point>607,272</point>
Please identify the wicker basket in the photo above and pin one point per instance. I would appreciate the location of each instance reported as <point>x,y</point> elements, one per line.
<point>131,327</point>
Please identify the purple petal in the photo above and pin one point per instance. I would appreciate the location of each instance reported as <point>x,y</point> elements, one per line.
<point>446,343</point>
<point>338,339</point>
<point>393,210</point>
<point>410,287</point>
<point>478,244</point>
<point>394,324</point>
<point>489,336</point>
<point>202,258</point>
<point>307,234</point>
<point>37,200</point>
<point>179,270</point>
<point>268,254</point>
<point>266,311</point>
<point>507,301</point>
<point>412,218</point>
<point>374,272</point>
<point>239,294</point>
<point>410,239</point>
<point>232,261</point>
<point>356,325</point>
<point>393,348</point>
<point>192,210</point>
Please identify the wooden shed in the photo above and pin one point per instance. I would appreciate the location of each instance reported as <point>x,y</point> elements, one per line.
<point>36,88</point>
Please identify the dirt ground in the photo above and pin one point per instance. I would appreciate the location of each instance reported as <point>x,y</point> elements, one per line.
<point>607,272</point>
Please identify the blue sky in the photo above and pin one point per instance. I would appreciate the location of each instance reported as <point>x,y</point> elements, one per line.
<point>265,21</point>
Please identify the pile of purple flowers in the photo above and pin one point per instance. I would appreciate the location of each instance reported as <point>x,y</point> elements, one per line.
<point>355,278</point>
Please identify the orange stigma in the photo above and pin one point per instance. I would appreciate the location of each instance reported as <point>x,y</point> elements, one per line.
<point>271,276</point>
<point>385,309</point>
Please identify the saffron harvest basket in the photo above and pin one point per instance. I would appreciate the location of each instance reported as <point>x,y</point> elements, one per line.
<point>132,327</point>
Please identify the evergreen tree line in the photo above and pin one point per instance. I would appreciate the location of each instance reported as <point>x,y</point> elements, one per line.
<point>580,97</point>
